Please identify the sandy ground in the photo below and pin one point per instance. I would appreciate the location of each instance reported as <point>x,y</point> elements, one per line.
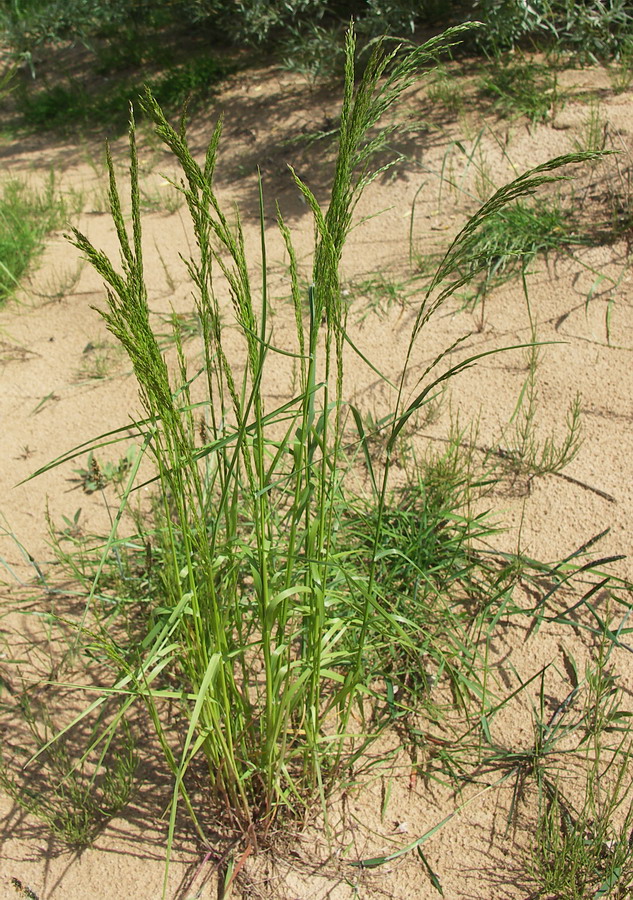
<point>62,385</point>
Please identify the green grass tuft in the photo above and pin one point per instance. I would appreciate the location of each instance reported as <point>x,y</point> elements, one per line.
<point>27,216</point>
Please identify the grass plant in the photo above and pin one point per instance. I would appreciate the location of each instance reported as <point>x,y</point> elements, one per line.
<point>528,453</point>
<point>523,88</point>
<point>26,217</point>
<point>72,792</point>
<point>446,92</point>
<point>259,511</point>
<point>376,294</point>
<point>512,238</point>
<point>583,836</point>
<point>268,601</point>
<point>590,30</point>
<point>99,360</point>
<point>595,131</point>
<point>63,106</point>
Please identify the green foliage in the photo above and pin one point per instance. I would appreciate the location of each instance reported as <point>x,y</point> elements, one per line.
<point>512,238</point>
<point>248,521</point>
<point>314,51</point>
<point>528,453</point>
<point>582,847</point>
<point>26,217</point>
<point>521,88</point>
<point>593,29</point>
<point>28,24</point>
<point>587,855</point>
<point>431,576</point>
<point>74,789</point>
<point>446,92</point>
<point>263,21</point>
<point>270,591</point>
<point>97,475</point>
<point>32,23</point>
<point>118,30</point>
<point>64,106</point>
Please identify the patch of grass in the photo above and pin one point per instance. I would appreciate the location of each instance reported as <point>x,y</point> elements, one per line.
<point>595,130</point>
<point>523,88</point>
<point>58,284</point>
<point>586,853</point>
<point>161,197</point>
<point>621,71</point>
<point>130,48</point>
<point>432,577</point>
<point>27,216</point>
<point>446,92</point>
<point>64,106</point>
<point>98,360</point>
<point>527,453</point>
<point>74,790</point>
<point>511,239</point>
<point>376,294</point>
<point>582,844</point>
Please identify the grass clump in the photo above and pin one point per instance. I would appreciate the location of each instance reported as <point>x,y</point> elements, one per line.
<point>582,845</point>
<point>252,575</point>
<point>62,106</point>
<point>528,453</point>
<point>27,216</point>
<point>73,787</point>
<point>524,88</point>
<point>513,237</point>
<point>270,589</point>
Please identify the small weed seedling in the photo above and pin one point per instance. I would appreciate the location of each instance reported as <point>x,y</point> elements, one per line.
<point>97,475</point>
<point>527,454</point>
<point>99,358</point>
<point>379,293</point>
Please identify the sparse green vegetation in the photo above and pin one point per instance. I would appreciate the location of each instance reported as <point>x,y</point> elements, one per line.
<point>75,789</point>
<point>375,294</point>
<point>65,106</point>
<point>272,574</point>
<point>27,215</point>
<point>95,476</point>
<point>512,238</point>
<point>524,88</point>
